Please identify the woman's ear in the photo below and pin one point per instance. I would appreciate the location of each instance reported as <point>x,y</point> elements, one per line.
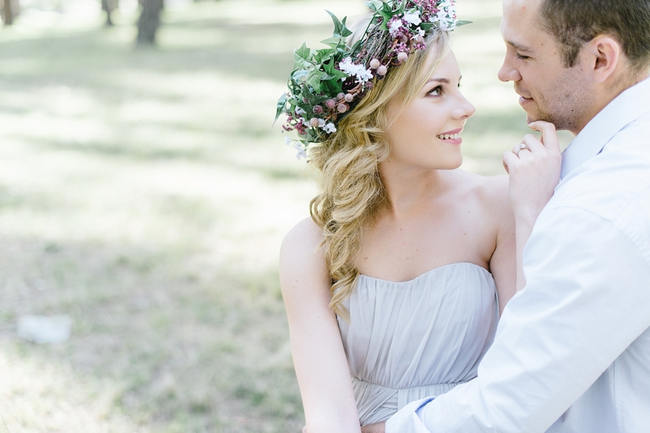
<point>605,55</point>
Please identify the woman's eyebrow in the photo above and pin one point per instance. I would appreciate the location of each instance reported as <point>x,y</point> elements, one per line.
<point>442,80</point>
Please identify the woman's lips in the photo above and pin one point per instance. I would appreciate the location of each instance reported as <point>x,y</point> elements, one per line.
<point>451,137</point>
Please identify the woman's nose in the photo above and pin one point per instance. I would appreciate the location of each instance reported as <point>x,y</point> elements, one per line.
<point>465,109</point>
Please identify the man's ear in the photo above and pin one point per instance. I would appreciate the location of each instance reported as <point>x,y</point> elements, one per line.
<point>605,55</point>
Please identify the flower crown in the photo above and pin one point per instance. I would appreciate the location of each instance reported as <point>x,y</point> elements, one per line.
<point>326,84</point>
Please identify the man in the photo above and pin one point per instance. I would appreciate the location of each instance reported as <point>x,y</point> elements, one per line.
<point>572,352</point>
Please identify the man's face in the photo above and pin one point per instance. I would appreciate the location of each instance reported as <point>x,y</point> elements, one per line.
<point>548,90</point>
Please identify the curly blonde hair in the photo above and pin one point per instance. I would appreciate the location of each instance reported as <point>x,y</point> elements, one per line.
<point>352,189</point>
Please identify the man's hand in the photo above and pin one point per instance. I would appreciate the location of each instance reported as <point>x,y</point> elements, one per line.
<point>379,427</point>
<point>534,167</point>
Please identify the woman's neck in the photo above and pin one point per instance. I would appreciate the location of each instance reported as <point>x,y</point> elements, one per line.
<point>409,188</point>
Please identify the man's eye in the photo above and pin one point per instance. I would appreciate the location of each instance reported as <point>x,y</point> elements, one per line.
<point>522,57</point>
<point>436,91</point>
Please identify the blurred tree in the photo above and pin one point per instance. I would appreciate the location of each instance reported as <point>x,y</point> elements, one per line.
<point>109,6</point>
<point>149,21</point>
<point>9,11</point>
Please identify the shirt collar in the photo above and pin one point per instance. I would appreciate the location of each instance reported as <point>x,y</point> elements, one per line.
<point>621,111</point>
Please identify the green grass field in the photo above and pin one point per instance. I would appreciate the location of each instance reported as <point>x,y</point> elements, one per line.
<point>144,193</point>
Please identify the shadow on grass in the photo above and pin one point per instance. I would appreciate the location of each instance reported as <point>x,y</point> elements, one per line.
<point>201,155</point>
<point>56,56</point>
<point>206,346</point>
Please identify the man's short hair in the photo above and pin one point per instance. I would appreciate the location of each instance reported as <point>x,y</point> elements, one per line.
<point>575,22</point>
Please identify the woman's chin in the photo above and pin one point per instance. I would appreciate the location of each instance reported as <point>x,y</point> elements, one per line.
<point>453,163</point>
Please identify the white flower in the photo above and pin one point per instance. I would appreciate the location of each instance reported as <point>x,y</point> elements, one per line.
<point>321,123</point>
<point>363,75</point>
<point>329,128</point>
<point>298,147</point>
<point>300,150</point>
<point>446,23</point>
<point>305,122</point>
<point>394,27</point>
<point>446,16</point>
<point>300,111</point>
<point>413,17</point>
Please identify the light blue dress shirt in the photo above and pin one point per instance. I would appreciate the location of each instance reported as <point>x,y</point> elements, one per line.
<point>572,350</point>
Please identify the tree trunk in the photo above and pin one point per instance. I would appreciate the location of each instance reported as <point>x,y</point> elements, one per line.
<point>149,21</point>
<point>109,6</point>
<point>9,9</point>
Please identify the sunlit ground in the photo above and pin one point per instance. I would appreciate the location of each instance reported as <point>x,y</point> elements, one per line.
<point>144,193</point>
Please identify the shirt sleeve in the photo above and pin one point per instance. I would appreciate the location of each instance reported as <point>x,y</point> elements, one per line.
<point>586,299</point>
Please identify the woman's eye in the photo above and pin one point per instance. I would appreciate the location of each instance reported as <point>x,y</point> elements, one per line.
<point>436,91</point>
<point>522,57</point>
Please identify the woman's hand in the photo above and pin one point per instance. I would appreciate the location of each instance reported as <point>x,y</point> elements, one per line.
<point>534,168</point>
<point>379,427</point>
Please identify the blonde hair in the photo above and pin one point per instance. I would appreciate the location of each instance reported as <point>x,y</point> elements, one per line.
<point>352,189</point>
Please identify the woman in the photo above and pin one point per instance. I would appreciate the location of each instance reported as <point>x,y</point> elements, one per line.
<point>395,277</point>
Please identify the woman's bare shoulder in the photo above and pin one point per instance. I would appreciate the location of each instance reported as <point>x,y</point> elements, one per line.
<point>490,193</point>
<point>491,189</point>
<point>302,258</point>
<point>304,237</point>
<point>496,201</point>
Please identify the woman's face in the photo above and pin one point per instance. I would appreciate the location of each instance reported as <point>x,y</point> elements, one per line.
<point>426,132</point>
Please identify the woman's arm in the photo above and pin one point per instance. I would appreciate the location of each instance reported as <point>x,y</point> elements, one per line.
<point>318,355</point>
<point>503,263</point>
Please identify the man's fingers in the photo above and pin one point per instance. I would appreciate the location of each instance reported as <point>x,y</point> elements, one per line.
<point>509,160</point>
<point>533,143</point>
<point>549,134</point>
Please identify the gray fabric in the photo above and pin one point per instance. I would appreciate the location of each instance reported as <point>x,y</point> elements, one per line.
<point>412,339</point>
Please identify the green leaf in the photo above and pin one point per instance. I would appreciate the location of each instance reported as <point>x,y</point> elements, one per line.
<point>299,76</point>
<point>337,24</point>
<point>314,80</point>
<point>333,41</point>
<point>375,5</point>
<point>323,56</point>
<point>302,54</point>
<point>339,27</point>
<point>356,46</point>
<point>332,72</point>
<point>345,31</point>
<point>462,23</point>
<point>282,103</point>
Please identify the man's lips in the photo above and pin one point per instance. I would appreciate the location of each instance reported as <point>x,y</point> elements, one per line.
<point>523,100</point>
<point>523,96</point>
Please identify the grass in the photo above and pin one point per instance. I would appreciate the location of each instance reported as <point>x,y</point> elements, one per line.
<point>144,193</point>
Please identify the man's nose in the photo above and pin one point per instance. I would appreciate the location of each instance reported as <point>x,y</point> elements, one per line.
<point>508,73</point>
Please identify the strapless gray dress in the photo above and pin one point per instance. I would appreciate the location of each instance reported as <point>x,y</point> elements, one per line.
<point>412,339</point>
